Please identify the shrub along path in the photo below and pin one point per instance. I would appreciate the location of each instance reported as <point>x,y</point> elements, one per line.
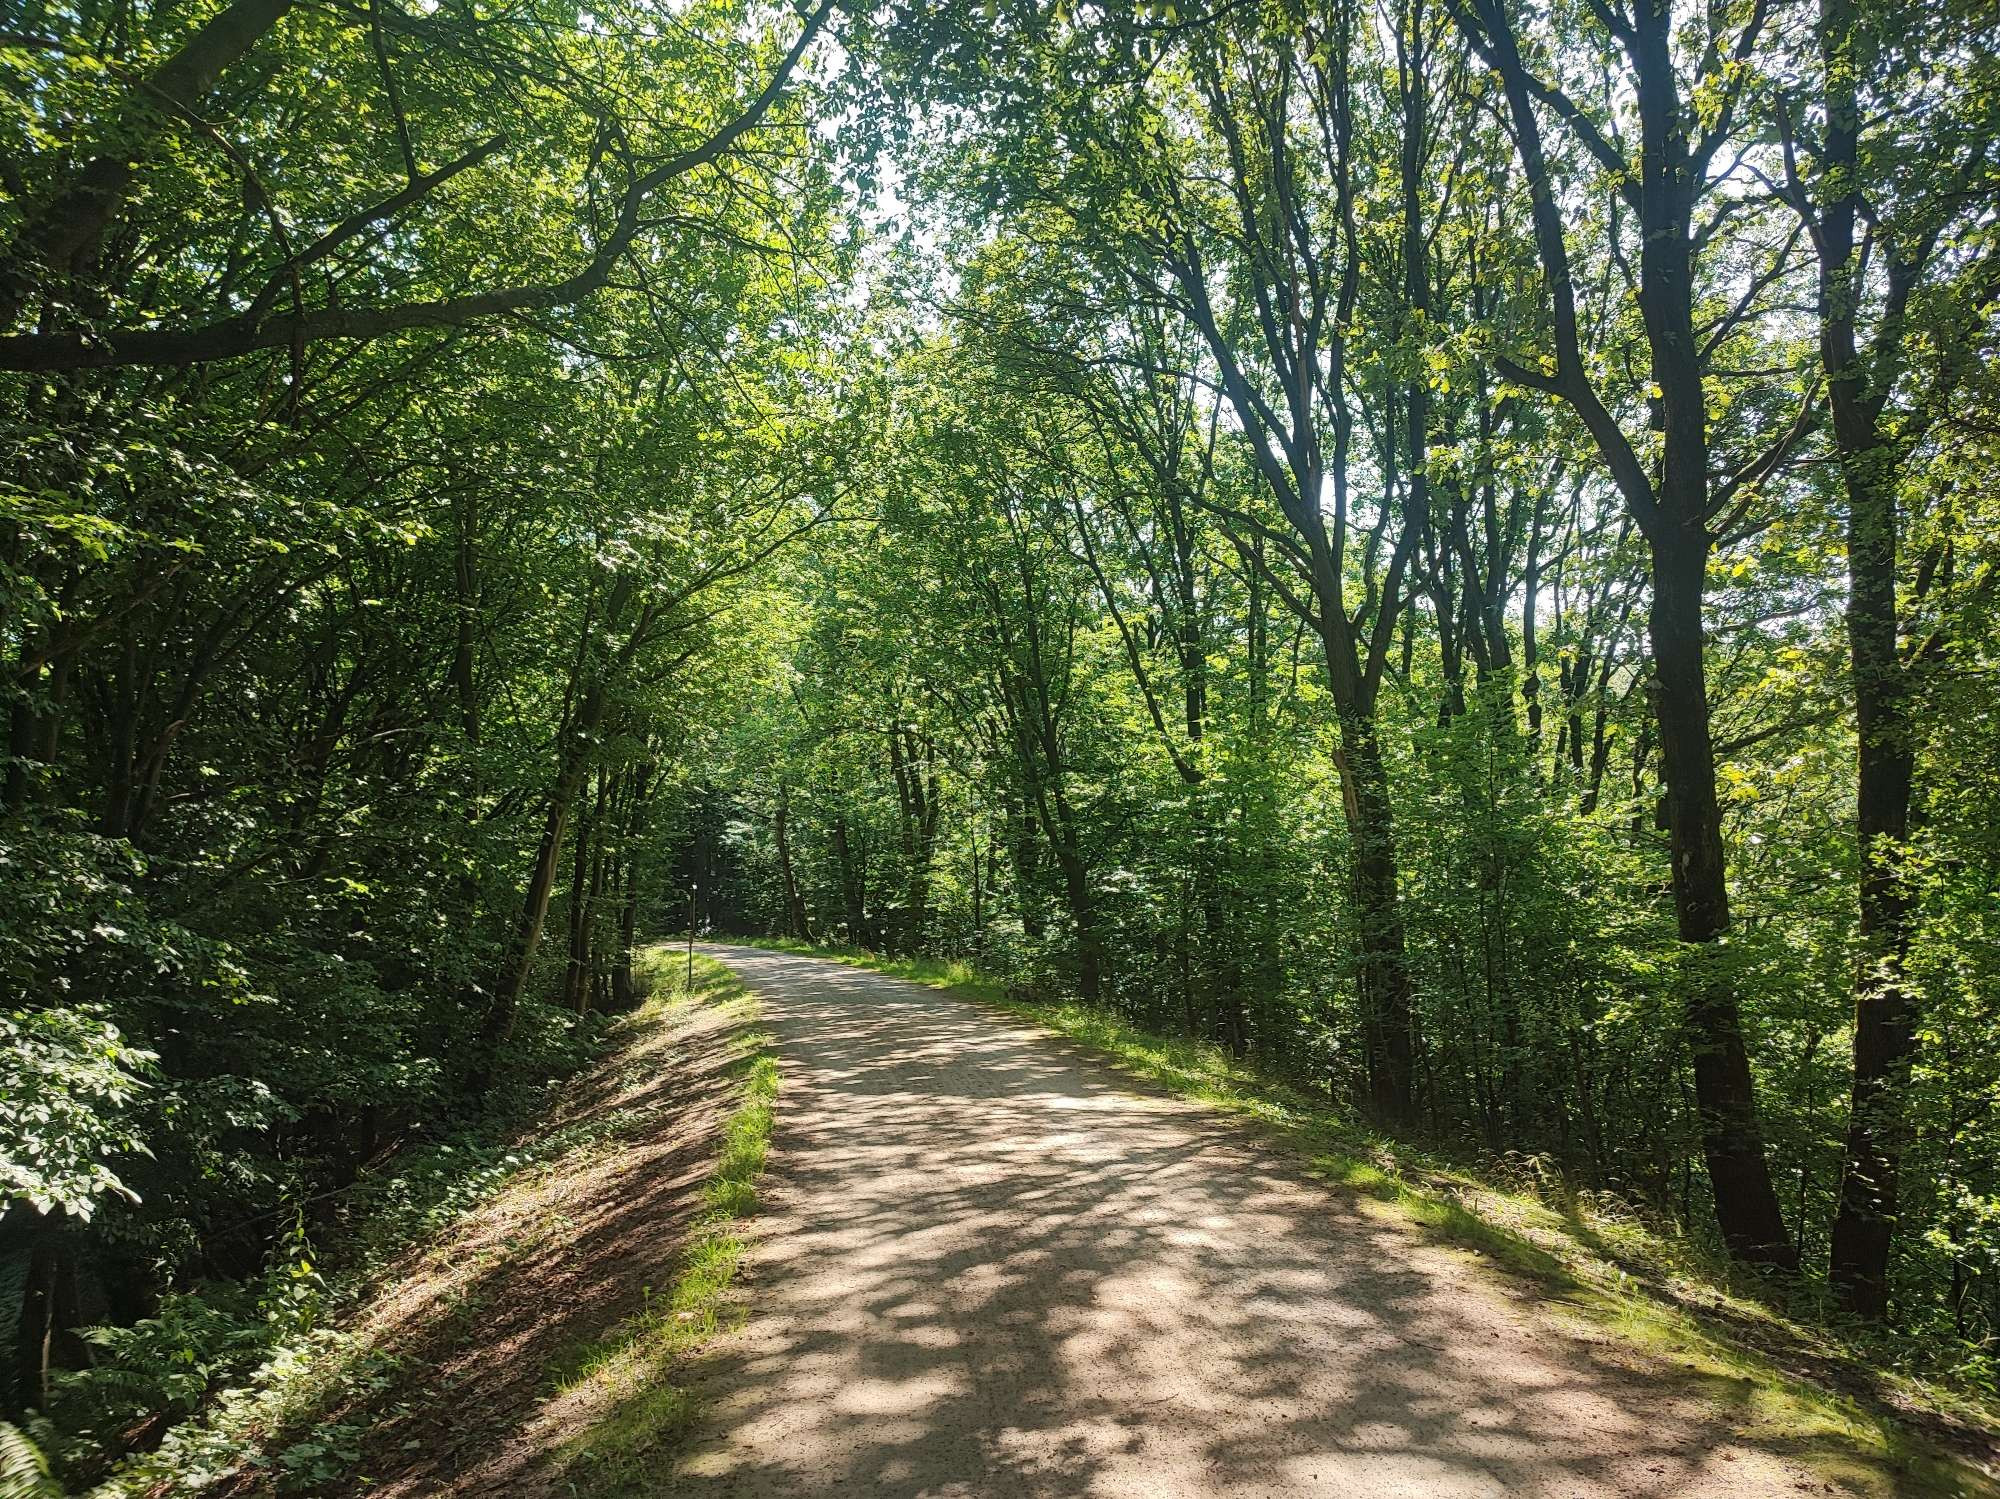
<point>987,1264</point>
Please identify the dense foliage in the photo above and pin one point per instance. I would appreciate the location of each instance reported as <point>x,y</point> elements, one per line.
<point>333,667</point>
<point>1449,548</point>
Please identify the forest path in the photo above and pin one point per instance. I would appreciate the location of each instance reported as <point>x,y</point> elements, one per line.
<point>989,1265</point>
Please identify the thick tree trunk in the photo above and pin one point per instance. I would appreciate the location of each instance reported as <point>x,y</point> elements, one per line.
<point>1746,1204</point>
<point>1388,1013</point>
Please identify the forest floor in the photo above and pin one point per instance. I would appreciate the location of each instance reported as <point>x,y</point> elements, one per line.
<point>989,1264</point>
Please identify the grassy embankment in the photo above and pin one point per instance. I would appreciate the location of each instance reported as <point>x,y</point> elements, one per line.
<point>449,1234</point>
<point>632,1366</point>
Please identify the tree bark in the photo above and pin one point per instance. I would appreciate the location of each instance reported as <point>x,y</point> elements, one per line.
<point>1746,1204</point>
<point>586,878</point>
<point>1885,1007</point>
<point>1082,910</point>
<point>853,887</point>
<point>1388,999</point>
<point>796,925</point>
<point>1672,509</point>
<point>57,240</point>
<point>500,1012</point>
<point>624,989</point>
<point>69,226</point>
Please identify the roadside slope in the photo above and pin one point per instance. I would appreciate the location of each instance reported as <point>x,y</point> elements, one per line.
<point>988,1265</point>
<point>530,1348</point>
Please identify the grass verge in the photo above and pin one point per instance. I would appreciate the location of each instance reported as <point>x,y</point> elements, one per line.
<point>1604,1273</point>
<point>629,1372</point>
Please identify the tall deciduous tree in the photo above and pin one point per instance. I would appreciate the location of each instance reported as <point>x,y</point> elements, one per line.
<point>1670,482</point>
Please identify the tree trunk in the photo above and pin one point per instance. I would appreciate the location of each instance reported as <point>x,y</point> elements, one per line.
<point>499,1022</point>
<point>1670,501</point>
<point>585,879</point>
<point>60,236</point>
<point>796,925</point>
<point>916,803</point>
<point>1884,1006</point>
<point>1388,1015</point>
<point>1026,856</point>
<point>1857,388</point>
<point>1746,1204</point>
<point>853,890</point>
<point>1089,951</point>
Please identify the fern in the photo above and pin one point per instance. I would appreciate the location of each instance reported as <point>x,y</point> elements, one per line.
<point>24,1472</point>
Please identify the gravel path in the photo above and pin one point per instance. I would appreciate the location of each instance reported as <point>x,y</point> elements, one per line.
<point>988,1265</point>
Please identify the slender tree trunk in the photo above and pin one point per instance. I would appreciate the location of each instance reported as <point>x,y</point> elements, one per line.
<point>1083,915</point>
<point>853,892</point>
<point>1531,681</point>
<point>586,878</point>
<point>624,989</point>
<point>796,925</point>
<point>915,777</point>
<point>465,639</point>
<point>1026,855</point>
<point>1219,974</point>
<point>499,1023</point>
<point>1885,1006</point>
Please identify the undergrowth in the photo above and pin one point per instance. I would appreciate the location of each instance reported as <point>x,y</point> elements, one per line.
<point>1598,1264</point>
<point>265,1375</point>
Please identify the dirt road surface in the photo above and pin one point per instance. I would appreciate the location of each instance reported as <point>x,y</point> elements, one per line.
<point>988,1265</point>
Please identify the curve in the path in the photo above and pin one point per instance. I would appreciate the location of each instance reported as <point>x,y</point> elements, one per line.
<point>987,1265</point>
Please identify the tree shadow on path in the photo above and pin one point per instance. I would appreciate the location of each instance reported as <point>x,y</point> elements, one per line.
<point>988,1265</point>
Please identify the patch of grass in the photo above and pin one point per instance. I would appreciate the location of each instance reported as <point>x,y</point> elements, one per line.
<point>1582,1260</point>
<point>630,1370</point>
